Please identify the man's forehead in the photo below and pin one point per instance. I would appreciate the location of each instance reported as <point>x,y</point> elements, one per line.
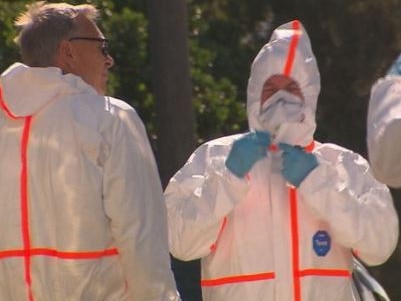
<point>87,26</point>
<point>280,79</point>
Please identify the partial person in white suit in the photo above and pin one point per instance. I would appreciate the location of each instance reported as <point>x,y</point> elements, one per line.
<point>273,214</point>
<point>384,127</point>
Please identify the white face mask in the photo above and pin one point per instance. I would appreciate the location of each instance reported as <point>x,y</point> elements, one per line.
<point>281,107</point>
<point>288,119</point>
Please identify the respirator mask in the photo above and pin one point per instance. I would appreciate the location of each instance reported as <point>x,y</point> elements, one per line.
<point>287,118</point>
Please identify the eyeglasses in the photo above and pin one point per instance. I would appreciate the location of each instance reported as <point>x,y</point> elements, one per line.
<point>105,43</point>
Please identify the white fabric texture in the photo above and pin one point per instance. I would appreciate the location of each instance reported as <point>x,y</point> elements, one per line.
<point>254,241</point>
<point>384,127</point>
<point>92,186</point>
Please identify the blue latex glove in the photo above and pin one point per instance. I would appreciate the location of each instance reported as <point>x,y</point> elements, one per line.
<point>246,151</point>
<point>395,68</point>
<point>297,163</point>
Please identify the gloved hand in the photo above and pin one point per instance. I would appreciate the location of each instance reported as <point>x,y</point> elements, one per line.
<point>395,68</point>
<point>246,151</point>
<point>297,163</point>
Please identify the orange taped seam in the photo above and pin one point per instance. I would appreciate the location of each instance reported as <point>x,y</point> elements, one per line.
<point>237,279</point>
<point>58,254</point>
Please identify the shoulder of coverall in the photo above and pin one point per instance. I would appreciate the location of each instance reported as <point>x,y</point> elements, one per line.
<point>335,154</point>
<point>220,146</point>
<point>383,84</point>
<point>210,153</point>
<point>226,140</point>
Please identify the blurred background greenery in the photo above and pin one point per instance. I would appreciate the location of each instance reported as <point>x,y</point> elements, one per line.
<point>184,66</point>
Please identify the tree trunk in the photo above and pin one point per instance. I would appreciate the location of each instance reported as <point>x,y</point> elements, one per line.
<point>171,84</point>
<point>175,116</point>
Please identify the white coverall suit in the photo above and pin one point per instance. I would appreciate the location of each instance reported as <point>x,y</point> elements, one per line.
<point>384,128</point>
<point>259,239</point>
<point>82,213</point>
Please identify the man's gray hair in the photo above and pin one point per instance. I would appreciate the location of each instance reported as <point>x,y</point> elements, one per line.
<point>44,25</point>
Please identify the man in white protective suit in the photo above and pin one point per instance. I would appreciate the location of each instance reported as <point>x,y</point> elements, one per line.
<point>384,127</point>
<point>82,211</point>
<point>272,214</point>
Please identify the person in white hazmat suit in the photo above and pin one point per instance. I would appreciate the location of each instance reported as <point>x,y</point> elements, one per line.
<point>82,211</point>
<point>273,214</point>
<point>384,127</point>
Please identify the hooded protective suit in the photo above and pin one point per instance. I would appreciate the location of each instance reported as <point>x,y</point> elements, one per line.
<point>258,238</point>
<point>384,127</point>
<point>82,215</point>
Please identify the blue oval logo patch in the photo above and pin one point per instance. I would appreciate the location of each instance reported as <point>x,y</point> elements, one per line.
<point>321,243</point>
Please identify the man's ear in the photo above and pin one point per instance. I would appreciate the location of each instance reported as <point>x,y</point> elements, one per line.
<point>65,57</point>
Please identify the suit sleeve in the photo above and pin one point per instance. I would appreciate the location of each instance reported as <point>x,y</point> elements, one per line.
<point>383,130</point>
<point>133,200</point>
<point>198,198</point>
<point>358,208</point>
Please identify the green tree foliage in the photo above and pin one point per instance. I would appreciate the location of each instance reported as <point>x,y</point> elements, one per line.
<point>8,49</point>
<point>225,35</point>
<point>128,34</point>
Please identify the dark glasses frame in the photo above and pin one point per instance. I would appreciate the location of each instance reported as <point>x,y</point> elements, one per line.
<point>105,43</point>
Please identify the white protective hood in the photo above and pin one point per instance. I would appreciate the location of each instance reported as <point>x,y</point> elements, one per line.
<point>288,52</point>
<point>25,100</point>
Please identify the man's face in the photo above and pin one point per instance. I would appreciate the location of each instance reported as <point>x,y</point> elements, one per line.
<point>90,61</point>
<point>281,103</point>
